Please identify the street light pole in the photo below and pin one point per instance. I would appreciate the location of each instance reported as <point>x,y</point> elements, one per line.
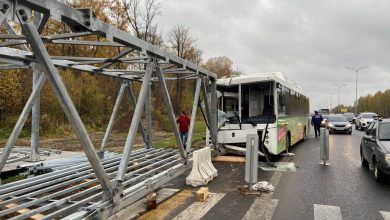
<point>338,95</point>
<point>356,70</point>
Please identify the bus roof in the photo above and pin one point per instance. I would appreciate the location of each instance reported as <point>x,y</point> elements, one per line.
<point>260,77</point>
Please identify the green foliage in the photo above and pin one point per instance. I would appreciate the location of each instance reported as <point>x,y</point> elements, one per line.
<point>378,103</point>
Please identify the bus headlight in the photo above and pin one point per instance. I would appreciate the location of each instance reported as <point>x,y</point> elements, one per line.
<point>387,156</point>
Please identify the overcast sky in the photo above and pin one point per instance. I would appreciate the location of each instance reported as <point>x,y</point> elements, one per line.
<point>309,41</point>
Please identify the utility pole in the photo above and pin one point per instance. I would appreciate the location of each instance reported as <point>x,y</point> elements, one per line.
<point>356,70</point>
<point>338,95</point>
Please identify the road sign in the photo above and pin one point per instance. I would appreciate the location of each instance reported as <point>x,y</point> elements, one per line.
<point>344,110</point>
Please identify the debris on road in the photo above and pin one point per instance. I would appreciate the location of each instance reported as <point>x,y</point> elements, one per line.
<point>278,166</point>
<point>288,154</point>
<point>202,194</point>
<point>263,186</point>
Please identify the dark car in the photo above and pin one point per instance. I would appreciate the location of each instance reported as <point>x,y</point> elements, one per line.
<point>375,148</point>
<point>351,117</point>
<point>339,124</point>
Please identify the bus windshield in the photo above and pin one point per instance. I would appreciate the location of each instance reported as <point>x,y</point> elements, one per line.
<point>257,103</point>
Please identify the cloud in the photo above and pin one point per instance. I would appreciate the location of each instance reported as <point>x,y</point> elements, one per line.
<point>309,41</point>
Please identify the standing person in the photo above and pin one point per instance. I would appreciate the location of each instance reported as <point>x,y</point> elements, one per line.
<point>183,122</point>
<point>316,120</point>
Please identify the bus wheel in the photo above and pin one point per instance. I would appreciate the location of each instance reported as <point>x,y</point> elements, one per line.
<point>288,143</point>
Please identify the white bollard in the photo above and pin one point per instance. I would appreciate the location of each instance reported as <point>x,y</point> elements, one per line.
<point>203,170</point>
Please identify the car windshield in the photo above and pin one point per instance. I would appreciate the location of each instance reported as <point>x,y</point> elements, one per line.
<point>349,114</point>
<point>325,116</point>
<point>384,131</point>
<point>338,118</point>
<point>369,115</point>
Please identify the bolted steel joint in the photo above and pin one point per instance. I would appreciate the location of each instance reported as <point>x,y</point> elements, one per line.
<point>24,14</point>
<point>4,6</point>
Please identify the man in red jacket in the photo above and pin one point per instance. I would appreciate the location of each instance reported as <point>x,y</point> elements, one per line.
<point>183,122</point>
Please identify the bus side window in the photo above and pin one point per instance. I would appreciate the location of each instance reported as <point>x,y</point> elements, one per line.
<point>281,102</point>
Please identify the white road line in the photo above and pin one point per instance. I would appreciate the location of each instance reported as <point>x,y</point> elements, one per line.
<point>198,209</point>
<point>327,212</point>
<point>274,181</point>
<point>138,207</point>
<point>385,215</point>
<point>261,209</point>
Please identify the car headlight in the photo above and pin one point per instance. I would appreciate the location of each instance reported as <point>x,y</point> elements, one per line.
<point>330,125</point>
<point>387,156</point>
<point>348,125</point>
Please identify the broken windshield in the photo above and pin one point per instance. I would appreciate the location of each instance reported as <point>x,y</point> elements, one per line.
<point>257,103</point>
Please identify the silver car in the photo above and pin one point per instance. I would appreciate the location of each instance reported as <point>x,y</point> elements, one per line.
<point>364,119</point>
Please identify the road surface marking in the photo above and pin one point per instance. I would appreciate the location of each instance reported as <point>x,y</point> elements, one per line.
<point>274,181</point>
<point>165,208</point>
<point>198,209</point>
<point>327,212</point>
<point>385,215</point>
<point>138,207</point>
<point>261,209</point>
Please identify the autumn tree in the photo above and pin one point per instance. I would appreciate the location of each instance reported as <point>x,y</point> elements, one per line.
<point>222,66</point>
<point>141,16</point>
<point>184,46</point>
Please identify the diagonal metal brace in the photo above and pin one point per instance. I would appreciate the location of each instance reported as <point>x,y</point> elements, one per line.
<point>171,115</point>
<point>65,101</point>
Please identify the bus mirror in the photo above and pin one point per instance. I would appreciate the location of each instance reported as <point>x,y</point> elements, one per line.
<point>282,100</point>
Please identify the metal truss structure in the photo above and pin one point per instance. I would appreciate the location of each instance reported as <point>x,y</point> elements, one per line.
<point>101,187</point>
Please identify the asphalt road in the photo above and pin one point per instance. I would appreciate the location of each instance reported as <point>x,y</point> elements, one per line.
<point>344,186</point>
<point>342,190</point>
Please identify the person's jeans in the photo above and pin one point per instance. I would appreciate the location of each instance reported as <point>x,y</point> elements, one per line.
<point>317,130</point>
<point>184,137</point>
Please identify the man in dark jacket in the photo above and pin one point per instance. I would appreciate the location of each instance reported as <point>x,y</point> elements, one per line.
<point>316,120</point>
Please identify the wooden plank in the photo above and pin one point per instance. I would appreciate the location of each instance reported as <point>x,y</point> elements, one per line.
<point>202,194</point>
<point>233,159</point>
<point>25,210</point>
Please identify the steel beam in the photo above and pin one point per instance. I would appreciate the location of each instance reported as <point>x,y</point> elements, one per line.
<point>171,115</point>
<point>65,101</point>
<point>206,105</point>
<point>135,123</point>
<point>193,114</point>
<point>148,118</point>
<point>113,117</point>
<point>133,102</point>
<point>35,117</point>
<point>214,112</point>
<point>20,123</point>
<point>115,58</point>
<point>85,21</point>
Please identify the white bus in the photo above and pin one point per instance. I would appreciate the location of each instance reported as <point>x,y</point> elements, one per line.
<point>249,102</point>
